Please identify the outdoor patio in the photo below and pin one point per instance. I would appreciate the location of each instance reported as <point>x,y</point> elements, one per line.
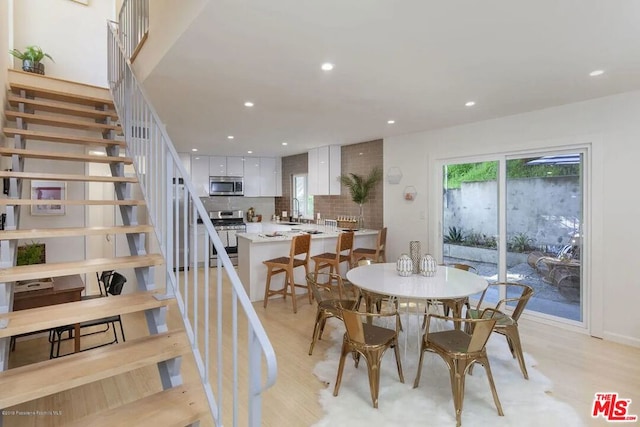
<point>546,298</point>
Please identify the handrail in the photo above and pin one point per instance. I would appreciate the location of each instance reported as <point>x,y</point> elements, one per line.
<point>171,210</point>
<point>134,16</point>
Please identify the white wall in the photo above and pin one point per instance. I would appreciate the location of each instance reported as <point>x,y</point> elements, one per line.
<point>75,36</point>
<point>168,19</point>
<point>612,128</point>
<point>5,62</point>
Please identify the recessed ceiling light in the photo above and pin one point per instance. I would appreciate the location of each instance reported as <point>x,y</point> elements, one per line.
<point>595,73</point>
<point>248,104</point>
<point>469,104</point>
<point>249,152</point>
<point>327,66</point>
<point>285,143</point>
<point>391,122</point>
<point>230,137</point>
<point>194,149</point>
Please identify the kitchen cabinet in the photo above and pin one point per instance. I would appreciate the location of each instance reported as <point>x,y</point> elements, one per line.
<point>185,158</point>
<point>252,176</point>
<point>217,166</point>
<point>235,166</point>
<point>324,170</point>
<point>200,175</point>
<point>226,166</point>
<point>262,177</point>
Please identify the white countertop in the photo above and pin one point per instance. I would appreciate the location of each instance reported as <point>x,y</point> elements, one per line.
<point>287,232</point>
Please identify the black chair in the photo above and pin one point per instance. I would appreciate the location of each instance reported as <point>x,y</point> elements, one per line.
<point>110,283</point>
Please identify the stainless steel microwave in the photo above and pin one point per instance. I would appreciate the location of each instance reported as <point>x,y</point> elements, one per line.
<point>226,186</point>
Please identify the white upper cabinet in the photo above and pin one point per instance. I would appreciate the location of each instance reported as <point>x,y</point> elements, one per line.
<point>324,169</point>
<point>226,166</point>
<point>217,166</point>
<point>235,166</point>
<point>262,177</point>
<point>200,174</point>
<point>252,176</point>
<point>185,158</point>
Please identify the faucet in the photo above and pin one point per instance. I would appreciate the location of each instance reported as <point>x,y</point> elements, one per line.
<point>296,208</point>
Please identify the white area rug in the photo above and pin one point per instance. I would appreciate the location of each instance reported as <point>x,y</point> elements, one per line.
<point>524,402</point>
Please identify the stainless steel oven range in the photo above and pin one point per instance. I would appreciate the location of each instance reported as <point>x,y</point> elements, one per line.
<point>227,224</point>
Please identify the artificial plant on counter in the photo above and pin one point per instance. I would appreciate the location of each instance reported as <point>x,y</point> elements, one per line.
<point>360,187</point>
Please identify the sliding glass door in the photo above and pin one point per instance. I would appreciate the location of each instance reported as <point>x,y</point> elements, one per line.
<point>520,218</point>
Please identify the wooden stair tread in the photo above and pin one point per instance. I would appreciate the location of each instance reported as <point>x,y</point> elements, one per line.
<point>56,137</point>
<point>41,119</point>
<point>53,155</point>
<point>58,107</point>
<point>83,202</point>
<point>53,316</point>
<point>66,177</point>
<point>53,376</point>
<point>175,407</point>
<point>37,271</point>
<point>42,92</point>
<point>41,233</point>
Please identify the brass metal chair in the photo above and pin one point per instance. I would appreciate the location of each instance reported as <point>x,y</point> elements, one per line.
<point>460,351</point>
<point>363,337</point>
<point>329,299</point>
<point>298,257</point>
<point>332,260</point>
<point>375,255</point>
<point>455,304</point>
<point>507,325</point>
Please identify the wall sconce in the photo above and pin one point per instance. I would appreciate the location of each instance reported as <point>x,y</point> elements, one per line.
<point>410,193</point>
<point>394,175</point>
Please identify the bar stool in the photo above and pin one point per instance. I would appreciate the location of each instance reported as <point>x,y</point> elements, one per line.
<point>344,253</point>
<point>375,255</point>
<point>299,246</point>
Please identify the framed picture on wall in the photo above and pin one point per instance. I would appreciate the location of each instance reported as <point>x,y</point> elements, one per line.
<point>48,192</point>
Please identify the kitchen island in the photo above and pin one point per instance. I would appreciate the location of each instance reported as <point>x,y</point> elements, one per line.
<point>253,248</point>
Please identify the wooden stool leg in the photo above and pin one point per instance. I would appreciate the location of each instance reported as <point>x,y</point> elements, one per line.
<point>290,281</point>
<point>267,287</point>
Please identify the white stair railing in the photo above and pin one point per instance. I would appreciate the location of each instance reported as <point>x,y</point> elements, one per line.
<point>201,296</point>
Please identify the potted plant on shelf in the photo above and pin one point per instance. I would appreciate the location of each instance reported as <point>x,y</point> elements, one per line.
<point>31,58</point>
<point>360,188</point>
<point>31,253</point>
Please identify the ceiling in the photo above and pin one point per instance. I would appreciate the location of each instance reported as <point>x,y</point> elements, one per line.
<point>413,61</point>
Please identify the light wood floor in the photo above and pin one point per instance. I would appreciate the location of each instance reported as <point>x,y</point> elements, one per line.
<point>578,365</point>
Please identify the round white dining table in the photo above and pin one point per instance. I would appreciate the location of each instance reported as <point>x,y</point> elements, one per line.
<point>447,283</point>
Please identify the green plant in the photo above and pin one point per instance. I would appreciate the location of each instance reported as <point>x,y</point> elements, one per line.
<point>31,53</point>
<point>520,242</point>
<point>359,186</point>
<point>454,235</point>
<point>31,253</point>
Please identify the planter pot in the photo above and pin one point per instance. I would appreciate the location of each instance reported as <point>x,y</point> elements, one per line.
<point>33,67</point>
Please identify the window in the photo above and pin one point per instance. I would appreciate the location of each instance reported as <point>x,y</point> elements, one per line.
<point>301,201</point>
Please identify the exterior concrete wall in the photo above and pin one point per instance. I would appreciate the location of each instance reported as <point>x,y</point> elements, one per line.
<point>547,210</point>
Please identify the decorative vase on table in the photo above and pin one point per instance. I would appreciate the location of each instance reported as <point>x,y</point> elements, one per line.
<point>404,265</point>
<point>414,251</point>
<point>361,218</point>
<point>428,265</point>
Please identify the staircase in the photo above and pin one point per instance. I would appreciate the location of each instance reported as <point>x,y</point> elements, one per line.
<point>60,121</point>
